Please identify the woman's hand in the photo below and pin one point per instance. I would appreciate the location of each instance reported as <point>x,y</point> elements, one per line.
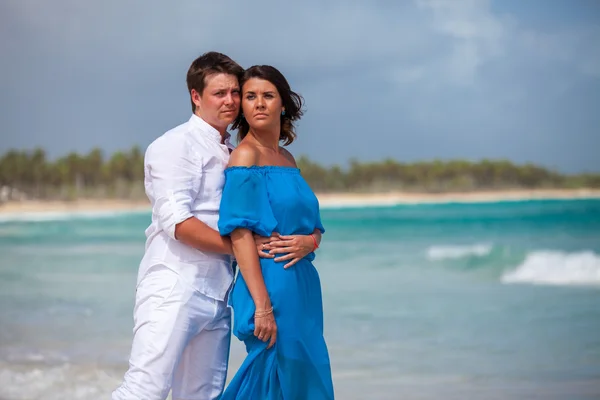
<point>265,328</point>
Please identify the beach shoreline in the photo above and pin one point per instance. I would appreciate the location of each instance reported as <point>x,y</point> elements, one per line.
<point>326,200</point>
<point>332,200</point>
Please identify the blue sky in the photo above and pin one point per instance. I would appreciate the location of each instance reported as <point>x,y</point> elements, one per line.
<point>409,80</point>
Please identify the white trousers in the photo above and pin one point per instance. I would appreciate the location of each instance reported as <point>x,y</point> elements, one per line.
<point>180,342</point>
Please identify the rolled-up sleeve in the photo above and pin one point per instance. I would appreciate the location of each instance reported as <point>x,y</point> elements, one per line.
<point>174,172</point>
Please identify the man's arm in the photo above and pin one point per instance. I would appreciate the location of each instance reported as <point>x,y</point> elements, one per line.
<point>175,173</point>
<point>197,234</point>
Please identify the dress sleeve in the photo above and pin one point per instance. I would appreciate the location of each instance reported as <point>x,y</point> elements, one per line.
<point>245,202</point>
<point>319,224</point>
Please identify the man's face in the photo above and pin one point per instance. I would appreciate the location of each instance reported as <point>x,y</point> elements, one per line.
<point>219,103</point>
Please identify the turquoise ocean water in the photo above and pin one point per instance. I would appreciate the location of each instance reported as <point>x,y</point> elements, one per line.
<point>448,301</point>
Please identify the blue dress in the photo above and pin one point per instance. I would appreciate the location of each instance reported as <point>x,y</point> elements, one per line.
<point>267,199</point>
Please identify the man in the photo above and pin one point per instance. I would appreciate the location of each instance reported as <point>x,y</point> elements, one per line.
<point>182,323</point>
<point>181,318</point>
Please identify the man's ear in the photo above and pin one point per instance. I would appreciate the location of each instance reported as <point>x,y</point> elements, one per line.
<point>196,98</point>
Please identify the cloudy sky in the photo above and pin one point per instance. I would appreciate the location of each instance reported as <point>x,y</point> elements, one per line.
<point>410,80</point>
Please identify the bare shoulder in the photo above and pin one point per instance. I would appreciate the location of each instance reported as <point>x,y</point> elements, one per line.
<point>244,155</point>
<point>288,155</point>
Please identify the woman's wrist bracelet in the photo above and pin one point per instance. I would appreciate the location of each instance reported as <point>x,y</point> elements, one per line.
<point>263,313</point>
<point>315,242</point>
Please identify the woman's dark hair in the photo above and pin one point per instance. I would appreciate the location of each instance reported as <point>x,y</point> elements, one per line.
<point>291,101</point>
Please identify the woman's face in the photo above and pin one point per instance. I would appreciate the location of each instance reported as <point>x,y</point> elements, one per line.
<point>261,104</point>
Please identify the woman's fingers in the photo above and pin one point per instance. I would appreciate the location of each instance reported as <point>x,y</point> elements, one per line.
<point>291,263</point>
<point>273,338</point>
<point>260,333</point>
<point>282,243</point>
<point>266,330</point>
<point>288,256</point>
<point>280,250</point>
<point>264,335</point>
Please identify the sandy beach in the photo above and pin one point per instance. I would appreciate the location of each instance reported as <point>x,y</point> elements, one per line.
<point>40,206</point>
<point>327,200</point>
<point>397,198</point>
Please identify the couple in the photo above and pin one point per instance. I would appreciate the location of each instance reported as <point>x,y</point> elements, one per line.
<point>208,207</point>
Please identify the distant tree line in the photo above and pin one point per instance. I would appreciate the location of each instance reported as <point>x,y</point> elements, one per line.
<point>73,176</point>
<point>31,174</point>
<point>439,176</point>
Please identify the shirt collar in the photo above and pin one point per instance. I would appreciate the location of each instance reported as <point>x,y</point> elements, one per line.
<point>209,131</point>
<point>228,143</point>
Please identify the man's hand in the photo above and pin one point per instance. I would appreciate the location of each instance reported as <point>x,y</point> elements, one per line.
<point>295,247</point>
<point>261,244</point>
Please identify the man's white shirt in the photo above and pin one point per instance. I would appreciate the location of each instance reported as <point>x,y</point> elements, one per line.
<point>184,177</point>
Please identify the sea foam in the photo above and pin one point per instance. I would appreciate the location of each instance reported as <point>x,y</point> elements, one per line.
<point>556,268</point>
<point>443,252</point>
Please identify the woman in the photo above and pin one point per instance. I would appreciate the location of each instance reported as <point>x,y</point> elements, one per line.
<point>278,312</point>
